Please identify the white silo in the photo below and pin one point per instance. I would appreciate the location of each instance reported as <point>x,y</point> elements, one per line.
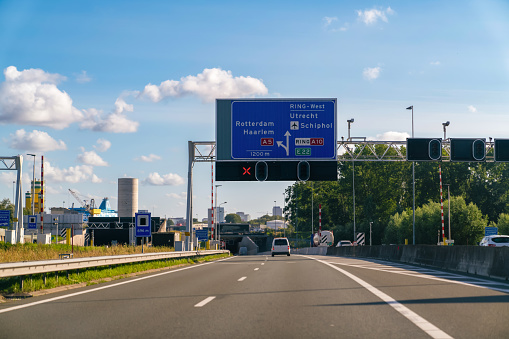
<point>127,197</point>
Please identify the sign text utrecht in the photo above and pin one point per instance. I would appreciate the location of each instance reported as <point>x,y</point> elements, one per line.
<point>283,130</point>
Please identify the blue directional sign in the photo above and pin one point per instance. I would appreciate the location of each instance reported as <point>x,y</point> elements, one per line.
<point>202,235</point>
<point>142,224</point>
<point>32,222</point>
<point>490,231</point>
<point>283,129</point>
<point>5,217</point>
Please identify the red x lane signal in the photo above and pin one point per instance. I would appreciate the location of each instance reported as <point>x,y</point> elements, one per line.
<point>246,170</point>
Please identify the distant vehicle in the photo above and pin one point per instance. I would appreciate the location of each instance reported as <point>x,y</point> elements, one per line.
<point>495,241</point>
<point>343,243</point>
<point>280,246</point>
<point>326,240</point>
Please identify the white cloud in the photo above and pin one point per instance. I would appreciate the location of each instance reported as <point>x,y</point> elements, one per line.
<point>472,109</point>
<point>31,97</point>
<point>435,63</point>
<point>121,106</point>
<point>371,16</point>
<point>71,175</point>
<point>328,24</point>
<point>91,158</point>
<point>102,145</point>
<point>113,123</point>
<point>83,77</point>
<point>392,136</point>
<point>148,158</point>
<point>34,141</point>
<point>329,20</point>
<point>212,83</point>
<point>166,180</point>
<point>180,196</point>
<point>371,73</point>
<point>95,179</point>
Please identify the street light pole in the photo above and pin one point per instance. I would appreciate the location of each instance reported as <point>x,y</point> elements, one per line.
<point>33,186</point>
<point>284,216</point>
<point>350,121</point>
<point>312,210</point>
<point>413,182</point>
<point>215,217</point>
<point>274,216</point>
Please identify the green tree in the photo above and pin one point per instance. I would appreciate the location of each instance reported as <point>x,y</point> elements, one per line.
<point>467,224</point>
<point>503,224</point>
<point>233,218</point>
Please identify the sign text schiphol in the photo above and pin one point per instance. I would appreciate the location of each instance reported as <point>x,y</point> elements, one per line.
<point>283,130</point>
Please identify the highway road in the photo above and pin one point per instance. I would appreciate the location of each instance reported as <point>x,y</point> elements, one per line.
<point>265,297</point>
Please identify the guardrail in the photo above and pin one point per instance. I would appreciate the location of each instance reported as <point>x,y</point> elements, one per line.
<point>45,266</point>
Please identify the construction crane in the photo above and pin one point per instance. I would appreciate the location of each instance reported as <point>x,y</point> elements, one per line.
<point>83,203</point>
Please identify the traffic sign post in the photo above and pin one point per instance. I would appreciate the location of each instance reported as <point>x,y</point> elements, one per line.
<point>142,226</point>
<point>490,231</point>
<point>32,222</point>
<point>5,218</point>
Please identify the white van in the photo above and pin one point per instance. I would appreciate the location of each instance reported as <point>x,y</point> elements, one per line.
<point>280,246</point>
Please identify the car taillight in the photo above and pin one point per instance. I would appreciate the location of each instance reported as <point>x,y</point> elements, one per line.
<point>273,248</point>
<point>492,245</point>
<point>288,248</point>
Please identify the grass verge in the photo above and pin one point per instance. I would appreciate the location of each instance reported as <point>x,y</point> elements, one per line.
<point>37,282</point>
<point>32,252</point>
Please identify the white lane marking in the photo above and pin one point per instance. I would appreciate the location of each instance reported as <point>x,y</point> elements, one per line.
<point>5,310</point>
<point>419,321</point>
<point>263,263</point>
<point>204,302</point>
<point>242,279</point>
<point>435,275</point>
<point>256,269</point>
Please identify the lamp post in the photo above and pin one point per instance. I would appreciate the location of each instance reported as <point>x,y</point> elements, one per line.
<point>445,124</point>
<point>312,210</point>
<point>284,215</point>
<point>33,186</point>
<point>215,212</point>
<point>218,232</point>
<point>274,216</point>
<point>413,182</point>
<point>350,121</point>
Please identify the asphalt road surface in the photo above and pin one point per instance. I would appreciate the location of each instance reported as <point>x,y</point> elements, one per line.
<point>265,297</point>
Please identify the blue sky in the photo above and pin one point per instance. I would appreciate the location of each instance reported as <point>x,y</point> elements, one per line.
<point>110,89</point>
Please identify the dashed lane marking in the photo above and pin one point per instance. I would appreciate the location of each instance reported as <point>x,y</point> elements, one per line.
<point>242,279</point>
<point>204,302</point>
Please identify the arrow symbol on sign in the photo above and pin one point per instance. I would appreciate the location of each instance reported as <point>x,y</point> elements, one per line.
<point>286,147</point>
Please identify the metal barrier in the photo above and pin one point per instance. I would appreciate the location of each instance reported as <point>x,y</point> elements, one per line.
<point>45,266</point>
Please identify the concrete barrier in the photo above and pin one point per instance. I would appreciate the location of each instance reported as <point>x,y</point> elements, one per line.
<point>310,250</point>
<point>485,261</point>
